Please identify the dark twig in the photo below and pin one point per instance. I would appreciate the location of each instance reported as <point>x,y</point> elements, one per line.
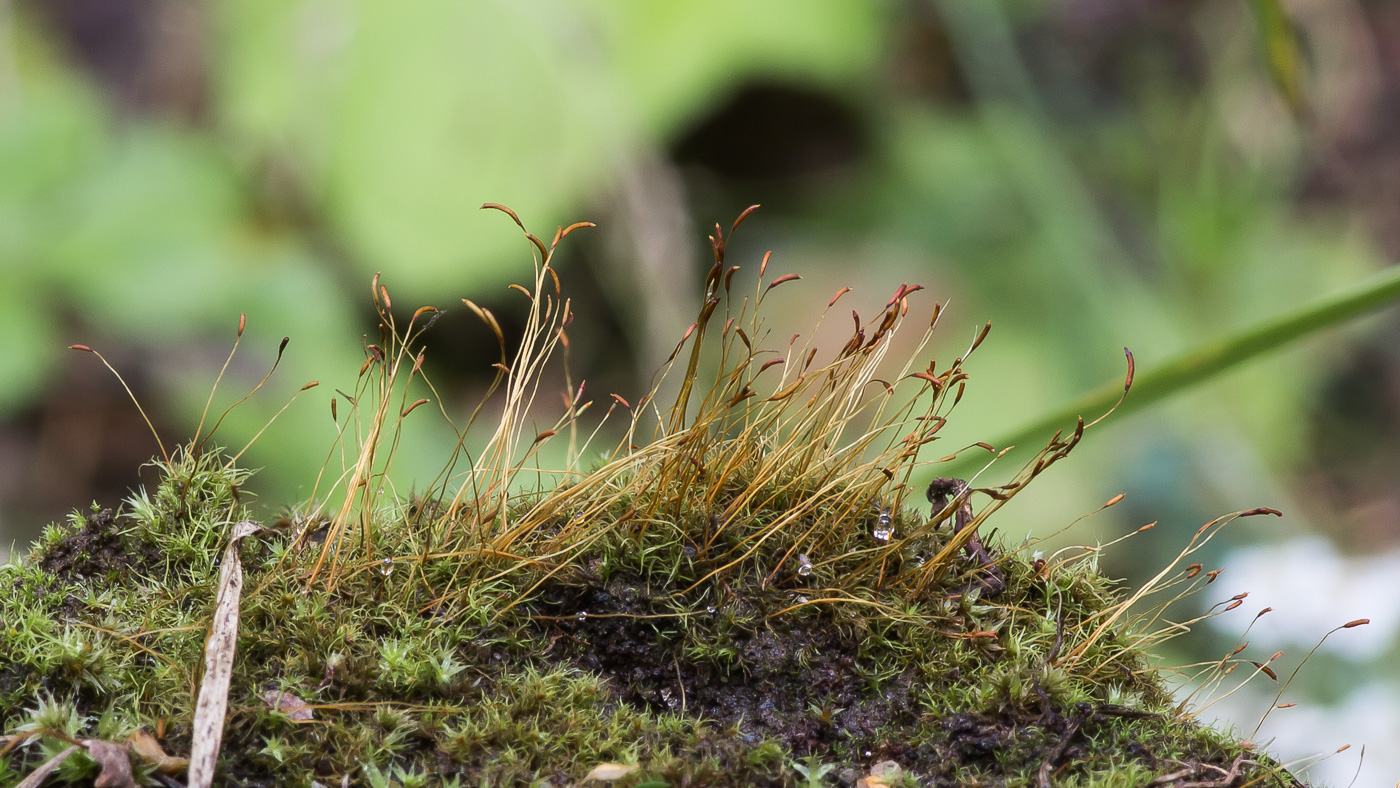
<point>939,492</point>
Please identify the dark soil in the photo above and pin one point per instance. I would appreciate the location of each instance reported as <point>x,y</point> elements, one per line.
<point>797,682</point>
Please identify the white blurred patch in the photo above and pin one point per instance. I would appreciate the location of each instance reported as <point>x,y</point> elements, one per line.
<point>1307,732</point>
<point>1313,589</point>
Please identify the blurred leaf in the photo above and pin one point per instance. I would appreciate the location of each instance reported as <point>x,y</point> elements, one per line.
<point>31,347</point>
<point>710,47</point>
<point>148,234</point>
<point>1282,55</point>
<point>1158,382</point>
<point>50,129</point>
<point>404,119</point>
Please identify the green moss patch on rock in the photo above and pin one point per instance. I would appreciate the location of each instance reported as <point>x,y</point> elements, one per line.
<point>630,656</point>
<point>752,597</point>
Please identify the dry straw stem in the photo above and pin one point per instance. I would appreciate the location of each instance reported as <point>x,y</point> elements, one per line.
<point>776,429</point>
<point>39,775</point>
<point>218,663</point>
<point>1157,584</point>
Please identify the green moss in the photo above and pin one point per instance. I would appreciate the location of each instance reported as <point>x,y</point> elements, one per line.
<point>628,654</point>
<point>748,599</point>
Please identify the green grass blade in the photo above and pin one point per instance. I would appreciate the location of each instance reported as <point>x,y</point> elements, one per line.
<point>1152,384</point>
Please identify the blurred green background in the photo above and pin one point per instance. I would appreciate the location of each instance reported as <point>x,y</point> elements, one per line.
<point>1084,174</point>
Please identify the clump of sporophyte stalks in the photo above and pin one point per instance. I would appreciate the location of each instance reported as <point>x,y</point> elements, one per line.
<point>749,588</point>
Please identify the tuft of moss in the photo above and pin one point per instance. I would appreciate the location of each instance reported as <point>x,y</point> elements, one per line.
<point>747,599</point>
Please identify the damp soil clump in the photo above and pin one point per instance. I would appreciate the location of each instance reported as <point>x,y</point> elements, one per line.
<point>849,691</point>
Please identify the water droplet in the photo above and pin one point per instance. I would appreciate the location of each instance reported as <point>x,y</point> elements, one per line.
<point>387,568</point>
<point>804,565</point>
<point>218,560</point>
<point>710,610</point>
<point>582,614</point>
<point>883,534</point>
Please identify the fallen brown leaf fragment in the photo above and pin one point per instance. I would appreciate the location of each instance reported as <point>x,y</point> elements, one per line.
<point>149,750</point>
<point>882,775</point>
<point>115,763</point>
<point>606,772</point>
<point>295,708</point>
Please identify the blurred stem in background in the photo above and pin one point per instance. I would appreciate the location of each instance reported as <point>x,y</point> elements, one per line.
<point>1155,384</point>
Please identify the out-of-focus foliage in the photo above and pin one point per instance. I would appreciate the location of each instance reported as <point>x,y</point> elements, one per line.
<point>1085,174</point>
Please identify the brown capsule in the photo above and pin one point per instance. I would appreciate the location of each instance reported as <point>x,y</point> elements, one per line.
<point>410,408</point>
<point>313,384</point>
<point>981,336</point>
<point>83,348</point>
<point>242,322</point>
<point>837,297</point>
<point>742,216</point>
<point>1128,381</point>
<point>787,392</point>
<point>1358,622</point>
<point>781,280</point>
<point>763,266</point>
<point>575,226</point>
<point>1265,669</point>
<point>623,401</point>
<point>1113,500</point>
<point>502,209</point>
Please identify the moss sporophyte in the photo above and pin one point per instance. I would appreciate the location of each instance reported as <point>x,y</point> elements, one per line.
<point>744,589</point>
